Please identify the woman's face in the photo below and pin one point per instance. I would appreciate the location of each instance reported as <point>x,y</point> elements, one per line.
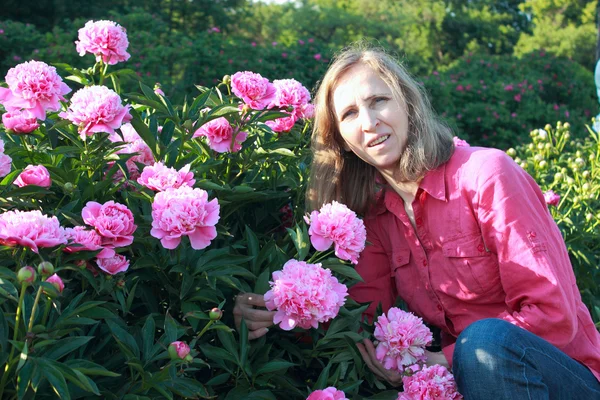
<point>373,125</point>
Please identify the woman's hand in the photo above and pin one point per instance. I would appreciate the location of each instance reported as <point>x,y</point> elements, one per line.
<point>367,350</point>
<point>257,320</point>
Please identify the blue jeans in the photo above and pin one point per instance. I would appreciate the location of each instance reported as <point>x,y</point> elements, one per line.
<point>494,359</point>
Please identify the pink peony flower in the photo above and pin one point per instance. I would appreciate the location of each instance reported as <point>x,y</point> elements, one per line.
<point>219,136</point>
<point>307,111</point>
<point>402,339</point>
<point>317,56</point>
<point>336,224</point>
<point>106,40</point>
<point>113,221</point>
<point>304,295</point>
<point>253,89</point>
<point>56,282</point>
<point>80,238</point>
<point>19,122</point>
<point>290,92</point>
<point>157,177</point>
<point>113,265</point>
<point>552,199</point>
<point>30,229</point>
<point>434,382</point>
<point>283,124</point>
<point>36,175</point>
<point>460,142</point>
<point>134,144</point>
<point>34,86</point>
<point>96,109</point>
<point>330,393</point>
<point>184,212</point>
<point>5,164</point>
<point>179,350</point>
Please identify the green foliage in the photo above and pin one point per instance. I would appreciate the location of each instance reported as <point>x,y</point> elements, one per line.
<point>492,100</point>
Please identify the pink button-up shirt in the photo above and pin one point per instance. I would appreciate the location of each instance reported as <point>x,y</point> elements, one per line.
<point>485,246</point>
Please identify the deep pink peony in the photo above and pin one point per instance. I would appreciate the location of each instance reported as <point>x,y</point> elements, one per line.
<point>184,212</point>
<point>5,161</point>
<point>283,124</point>
<point>159,178</point>
<point>36,175</point>
<point>304,295</point>
<point>113,221</point>
<point>96,109</point>
<point>19,122</point>
<point>402,339</point>
<point>430,383</point>
<point>56,282</point>
<point>336,224</point>
<point>330,393</point>
<point>290,92</point>
<point>253,89</point>
<point>113,265</point>
<point>134,144</point>
<point>30,229</point>
<point>460,142</point>
<point>106,40</point>
<point>80,238</point>
<point>219,135</point>
<point>34,86</point>
<point>552,199</point>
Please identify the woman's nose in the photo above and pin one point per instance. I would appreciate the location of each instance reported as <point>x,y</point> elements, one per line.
<point>369,120</point>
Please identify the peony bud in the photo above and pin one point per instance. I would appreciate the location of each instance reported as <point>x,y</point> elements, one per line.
<point>26,275</point>
<point>566,125</point>
<point>69,187</point>
<point>178,350</point>
<point>120,284</point>
<point>215,314</point>
<point>543,164</point>
<point>227,79</point>
<point>56,282</point>
<point>45,268</point>
<point>548,127</point>
<point>511,152</point>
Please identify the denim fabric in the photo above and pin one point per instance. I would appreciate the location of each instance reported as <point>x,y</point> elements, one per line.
<point>494,359</point>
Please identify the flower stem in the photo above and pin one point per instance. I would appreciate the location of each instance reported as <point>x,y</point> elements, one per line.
<point>205,329</point>
<point>15,336</point>
<point>34,309</point>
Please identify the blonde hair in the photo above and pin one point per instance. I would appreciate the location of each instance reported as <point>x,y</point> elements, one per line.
<point>340,175</point>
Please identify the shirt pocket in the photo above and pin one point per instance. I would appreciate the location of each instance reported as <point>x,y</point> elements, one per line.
<point>473,266</point>
<point>403,274</point>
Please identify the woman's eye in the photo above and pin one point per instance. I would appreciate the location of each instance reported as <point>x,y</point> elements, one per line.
<point>380,99</point>
<point>347,114</point>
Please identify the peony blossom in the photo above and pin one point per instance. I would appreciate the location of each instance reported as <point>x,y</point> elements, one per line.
<point>330,393</point>
<point>253,89</point>
<point>96,109</point>
<point>184,212</point>
<point>106,40</point>
<point>30,229</point>
<point>460,142</point>
<point>113,265</point>
<point>402,339</point>
<point>35,87</point>
<point>56,282</point>
<point>283,124</point>
<point>336,224</point>
<point>304,295</point>
<point>5,161</point>
<point>19,122</point>
<point>179,350</point>
<point>290,92</point>
<point>36,175</point>
<point>157,177</point>
<point>113,221</point>
<point>430,383</point>
<point>552,199</point>
<point>80,238</point>
<point>219,136</point>
<point>134,144</point>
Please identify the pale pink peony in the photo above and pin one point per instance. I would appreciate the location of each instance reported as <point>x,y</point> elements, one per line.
<point>460,142</point>
<point>113,221</point>
<point>80,238</point>
<point>5,161</point>
<point>552,199</point>
<point>184,212</point>
<point>56,282</point>
<point>330,393</point>
<point>304,295</point>
<point>430,383</point>
<point>19,122</point>
<point>36,175</point>
<point>106,40</point>
<point>96,109</point>
<point>336,224</point>
<point>34,86</point>
<point>179,349</point>
<point>253,89</point>
<point>283,124</point>
<point>134,144</point>
<point>307,111</point>
<point>159,178</point>
<point>30,229</point>
<point>402,339</point>
<point>113,265</point>
<point>219,135</point>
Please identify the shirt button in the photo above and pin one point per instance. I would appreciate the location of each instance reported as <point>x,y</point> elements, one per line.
<point>424,263</point>
<point>439,307</point>
<point>480,248</point>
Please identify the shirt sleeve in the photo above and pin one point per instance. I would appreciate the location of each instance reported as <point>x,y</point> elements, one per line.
<point>374,267</point>
<point>534,266</point>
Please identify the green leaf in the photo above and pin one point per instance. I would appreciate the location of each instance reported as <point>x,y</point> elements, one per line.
<point>90,368</point>
<point>55,378</point>
<point>229,343</point>
<point>124,337</point>
<point>243,343</point>
<point>387,395</point>
<point>142,129</point>
<point>24,377</point>
<point>65,346</point>
<point>3,334</point>
<point>323,377</point>
<point>273,366</point>
<point>300,240</point>
<point>337,266</point>
<point>170,329</point>
<point>148,337</point>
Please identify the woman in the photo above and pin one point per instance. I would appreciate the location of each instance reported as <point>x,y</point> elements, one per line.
<point>461,234</point>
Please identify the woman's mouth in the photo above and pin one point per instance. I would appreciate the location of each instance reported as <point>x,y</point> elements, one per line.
<point>379,140</point>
